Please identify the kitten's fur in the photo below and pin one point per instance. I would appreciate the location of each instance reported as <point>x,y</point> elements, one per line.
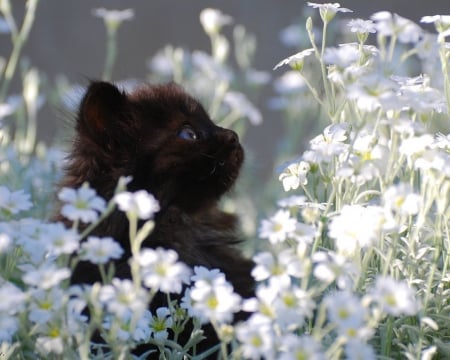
<point>166,141</point>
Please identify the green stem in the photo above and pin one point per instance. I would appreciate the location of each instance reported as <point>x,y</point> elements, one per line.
<point>111,53</point>
<point>18,43</point>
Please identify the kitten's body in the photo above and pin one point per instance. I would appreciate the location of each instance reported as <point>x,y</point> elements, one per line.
<point>165,141</point>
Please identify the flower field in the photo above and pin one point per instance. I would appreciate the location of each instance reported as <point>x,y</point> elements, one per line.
<point>352,259</point>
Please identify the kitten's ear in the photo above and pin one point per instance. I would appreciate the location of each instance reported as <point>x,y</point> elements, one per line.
<point>101,111</point>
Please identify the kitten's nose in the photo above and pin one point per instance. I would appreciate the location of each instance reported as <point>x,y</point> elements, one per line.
<point>229,136</point>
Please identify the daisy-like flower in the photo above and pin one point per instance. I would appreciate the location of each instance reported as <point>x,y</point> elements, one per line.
<point>50,342</point>
<point>5,242</point>
<point>389,24</point>
<point>13,202</point>
<point>81,204</point>
<point>141,203</point>
<point>331,267</point>
<point>277,269</point>
<point>356,227</point>
<point>394,297</point>
<point>371,91</point>
<point>328,10</point>
<point>346,312</point>
<point>60,240</point>
<point>8,327</point>
<point>100,250</point>
<point>45,276</point>
<point>213,20</point>
<point>300,347</point>
<point>356,349</point>
<point>12,299</point>
<point>122,297</point>
<point>279,227</point>
<point>207,276</point>
<point>362,26</point>
<point>415,146</point>
<point>296,60</point>
<point>216,301</point>
<point>401,199</point>
<point>240,104</point>
<point>161,270</point>
<point>294,175</point>
<point>292,307</point>
<point>343,56</point>
<point>113,18</point>
<point>328,144</point>
<point>160,323</point>
<point>44,304</point>
<point>256,337</point>
<point>441,22</point>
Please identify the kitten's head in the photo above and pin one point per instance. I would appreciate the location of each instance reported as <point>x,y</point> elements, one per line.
<point>160,136</point>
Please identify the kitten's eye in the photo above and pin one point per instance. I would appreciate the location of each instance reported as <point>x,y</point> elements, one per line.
<point>187,133</point>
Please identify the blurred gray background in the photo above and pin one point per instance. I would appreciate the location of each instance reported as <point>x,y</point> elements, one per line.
<point>67,39</point>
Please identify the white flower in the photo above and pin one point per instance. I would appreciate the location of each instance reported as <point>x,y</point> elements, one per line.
<point>388,24</point>
<point>291,82</point>
<point>328,144</point>
<point>13,202</point>
<point>416,146</point>
<point>45,276</point>
<point>213,20</point>
<point>140,203</point>
<point>113,18</point>
<point>81,204</point>
<point>295,347</point>
<point>328,10</point>
<point>356,227</point>
<point>239,104</point>
<point>207,276</point>
<point>294,175</point>
<point>60,240</point>
<point>122,297</point>
<point>5,242</point>
<point>331,267</point>
<point>292,307</point>
<point>31,236</point>
<point>45,304</point>
<point>51,344</point>
<point>292,201</point>
<point>292,36</point>
<point>296,60</point>
<point>216,301</point>
<point>371,91</point>
<point>160,323</point>
<point>257,338</point>
<point>394,297</point>
<point>304,233</point>
<point>277,269</point>
<point>401,199</point>
<point>279,227</point>
<point>362,26</point>
<point>8,327</point>
<point>355,349</point>
<point>100,250</point>
<point>342,56</point>
<point>441,22</point>
<point>346,312</point>
<point>161,270</point>
<point>11,299</point>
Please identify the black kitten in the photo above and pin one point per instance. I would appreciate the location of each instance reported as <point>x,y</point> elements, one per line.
<point>164,140</point>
